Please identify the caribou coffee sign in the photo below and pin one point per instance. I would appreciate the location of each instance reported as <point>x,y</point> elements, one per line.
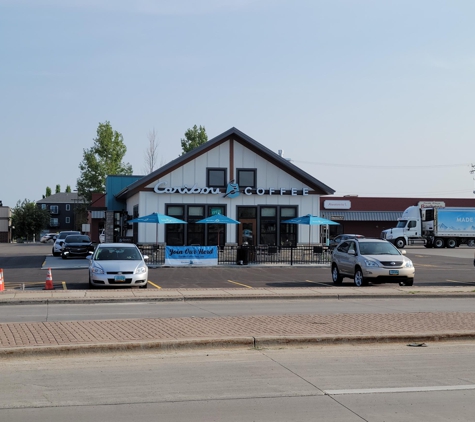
<point>231,192</point>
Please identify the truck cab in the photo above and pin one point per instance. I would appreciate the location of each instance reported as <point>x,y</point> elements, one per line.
<point>408,229</point>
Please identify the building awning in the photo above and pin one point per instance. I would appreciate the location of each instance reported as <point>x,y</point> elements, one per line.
<point>98,214</point>
<point>361,215</point>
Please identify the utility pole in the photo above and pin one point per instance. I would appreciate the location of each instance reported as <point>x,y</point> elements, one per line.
<point>473,172</point>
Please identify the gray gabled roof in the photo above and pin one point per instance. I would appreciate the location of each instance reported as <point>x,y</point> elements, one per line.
<point>60,198</point>
<point>233,133</point>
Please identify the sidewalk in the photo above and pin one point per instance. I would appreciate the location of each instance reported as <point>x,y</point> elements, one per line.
<point>169,334</point>
<point>136,295</point>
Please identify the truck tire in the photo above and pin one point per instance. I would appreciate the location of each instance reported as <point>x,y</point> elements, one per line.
<point>439,243</point>
<point>451,243</point>
<point>471,242</point>
<point>400,242</point>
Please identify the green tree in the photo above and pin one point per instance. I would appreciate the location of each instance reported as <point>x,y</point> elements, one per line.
<point>48,191</point>
<point>194,137</point>
<point>102,159</point>
<point>68,189</point>
<point>28,219</point>
<point>58,189</point>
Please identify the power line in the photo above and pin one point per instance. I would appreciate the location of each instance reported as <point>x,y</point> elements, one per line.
<point>385,167</point>
<point>433,194</point>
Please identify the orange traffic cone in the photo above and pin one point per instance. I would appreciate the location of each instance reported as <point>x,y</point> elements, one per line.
<point>2,283</point>
<point>49,281</point>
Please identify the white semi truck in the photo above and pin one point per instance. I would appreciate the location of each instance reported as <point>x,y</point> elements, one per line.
<point>433,225</point>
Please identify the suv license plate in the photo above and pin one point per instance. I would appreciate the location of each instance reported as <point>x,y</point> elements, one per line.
<point>393,272</point>
<point>119,278</point>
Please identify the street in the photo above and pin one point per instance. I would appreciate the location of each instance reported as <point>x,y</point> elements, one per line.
<point>345,383</point>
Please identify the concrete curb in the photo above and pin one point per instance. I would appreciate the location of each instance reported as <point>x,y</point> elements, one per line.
<point>233,343</point>
<point>84,300</point>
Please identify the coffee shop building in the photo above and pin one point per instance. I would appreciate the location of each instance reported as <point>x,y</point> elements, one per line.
<point>233,175</point>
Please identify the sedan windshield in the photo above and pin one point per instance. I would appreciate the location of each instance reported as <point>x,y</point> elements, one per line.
<point>117,254</point>
<point>378,248</point>
<point>78,239</point>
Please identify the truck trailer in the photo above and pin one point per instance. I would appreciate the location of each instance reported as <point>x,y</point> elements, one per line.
<point>434,226</point>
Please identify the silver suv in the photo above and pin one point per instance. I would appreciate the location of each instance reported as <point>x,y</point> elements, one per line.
<point>58,243</point>
<point>373,260</point>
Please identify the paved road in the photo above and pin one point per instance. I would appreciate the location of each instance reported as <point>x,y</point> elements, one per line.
<point>344,383</point>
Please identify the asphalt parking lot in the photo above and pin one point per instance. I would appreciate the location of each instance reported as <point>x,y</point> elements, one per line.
<point>24,266</point>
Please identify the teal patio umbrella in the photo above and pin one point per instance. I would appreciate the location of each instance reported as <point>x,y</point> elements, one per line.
<point>157,219</point>
<point>218,219</point>
<point>310,220</point>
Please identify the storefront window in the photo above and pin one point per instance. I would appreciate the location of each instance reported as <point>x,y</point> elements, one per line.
<point>247,212</point>
<point>195,232</point>
<point>175,233</point>
<point>216,233</point>
<point>288,232</point>
<point>268,226</point>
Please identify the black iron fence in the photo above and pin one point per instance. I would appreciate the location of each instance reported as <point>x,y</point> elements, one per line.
<point>253,255</point>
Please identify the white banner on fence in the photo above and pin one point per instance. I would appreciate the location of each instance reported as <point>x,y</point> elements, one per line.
<point>180,256</point>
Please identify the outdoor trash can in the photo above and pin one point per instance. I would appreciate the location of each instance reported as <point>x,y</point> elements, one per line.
<point>242,255</point>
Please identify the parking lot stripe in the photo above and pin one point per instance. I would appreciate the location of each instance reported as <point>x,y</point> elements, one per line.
<point>316,282</point>
<point>154,285</point>
<point>462,282</point>
<point>240,284</point>
<point>401,389</point>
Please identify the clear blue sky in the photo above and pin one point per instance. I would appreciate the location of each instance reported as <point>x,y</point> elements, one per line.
<point>374,98</point>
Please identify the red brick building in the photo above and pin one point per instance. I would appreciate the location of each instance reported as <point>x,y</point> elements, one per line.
<point>370,216</point>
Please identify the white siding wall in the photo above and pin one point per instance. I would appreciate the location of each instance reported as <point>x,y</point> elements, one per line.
<point>268,176</point>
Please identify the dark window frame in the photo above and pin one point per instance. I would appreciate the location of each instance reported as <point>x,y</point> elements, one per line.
<point>244,185</point>
<point>224,170</point>
<point>186,233</point>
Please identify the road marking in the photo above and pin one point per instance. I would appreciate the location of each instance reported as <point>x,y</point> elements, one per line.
<point>428,265</point>
<point>245,285</point>
<point>470,283</point>
<point>316,282</point>
<point>399,390</point>
<point>154,285</point>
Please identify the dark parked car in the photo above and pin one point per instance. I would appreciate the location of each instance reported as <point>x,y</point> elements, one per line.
<point>58,243</point>
<point>77,245</point>
<point>341,237</point>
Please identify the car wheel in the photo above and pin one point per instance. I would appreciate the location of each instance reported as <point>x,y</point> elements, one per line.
<point>144,286</point>
<point>439,243</point>
<point>408,282</point>
<point>336,277</point>
<point>400,243</point>
<point>91,286</point>
<point>63,256</point>
<point>359,279</point>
